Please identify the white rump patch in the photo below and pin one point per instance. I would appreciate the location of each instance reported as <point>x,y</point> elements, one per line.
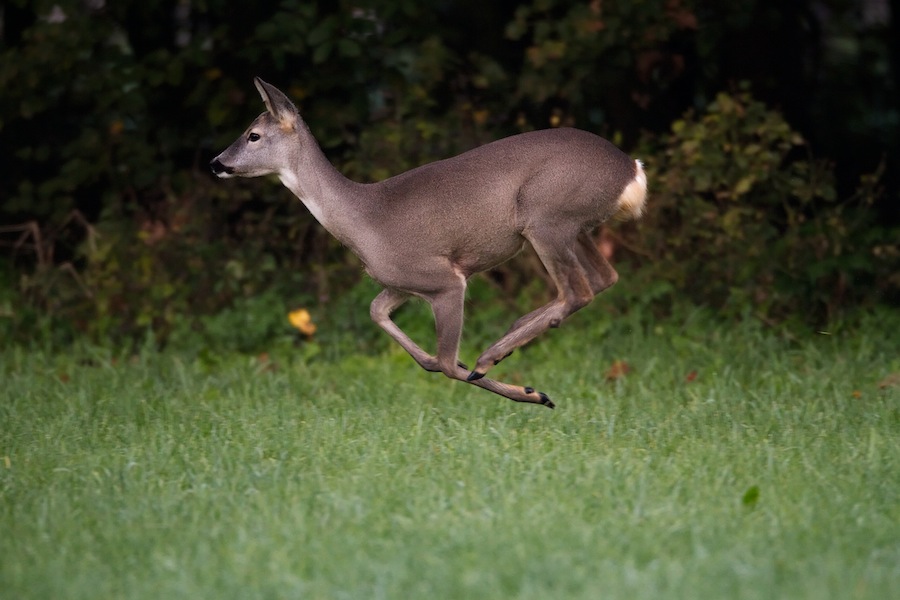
<point>631,203</point>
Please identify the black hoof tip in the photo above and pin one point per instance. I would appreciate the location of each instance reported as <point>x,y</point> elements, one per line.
<point>474,376</point>
<point>546,401</point>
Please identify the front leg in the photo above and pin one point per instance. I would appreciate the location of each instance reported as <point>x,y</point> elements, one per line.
<point>380,310</point>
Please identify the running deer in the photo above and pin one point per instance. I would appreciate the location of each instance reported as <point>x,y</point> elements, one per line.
<point>425,232</point>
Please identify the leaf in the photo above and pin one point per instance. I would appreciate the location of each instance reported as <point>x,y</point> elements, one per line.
<point>744,184</point>
<point>751,496</point>
<point>302,321</point>
<point>617,370</point>
<point>322,52</point>
<point>349,48</point>
<point>323,32</point>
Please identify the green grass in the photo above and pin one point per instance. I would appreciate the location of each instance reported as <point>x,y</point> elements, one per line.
<point>775,473</point>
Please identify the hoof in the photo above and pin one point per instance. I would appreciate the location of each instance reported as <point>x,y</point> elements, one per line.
<point>474,376</point>
<point>462,365</point>
<point>546,401</point>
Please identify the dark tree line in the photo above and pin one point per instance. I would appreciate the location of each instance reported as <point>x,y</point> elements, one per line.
<point>111,110</point>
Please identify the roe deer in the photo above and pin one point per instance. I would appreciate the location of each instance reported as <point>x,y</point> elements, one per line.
<point>425,232</point>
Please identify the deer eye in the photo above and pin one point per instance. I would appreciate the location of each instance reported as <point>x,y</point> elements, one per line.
<point>253,137</point>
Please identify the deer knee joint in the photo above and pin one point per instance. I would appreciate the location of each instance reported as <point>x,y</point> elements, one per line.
<point>578,302</point>
<point>375,314</point>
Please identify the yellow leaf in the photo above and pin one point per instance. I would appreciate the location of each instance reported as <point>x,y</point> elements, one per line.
<point>743,185</point>
<point>301,319</point>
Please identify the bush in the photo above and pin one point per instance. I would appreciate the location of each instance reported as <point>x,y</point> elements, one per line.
<point>743,219</point>
<point>111,111</point>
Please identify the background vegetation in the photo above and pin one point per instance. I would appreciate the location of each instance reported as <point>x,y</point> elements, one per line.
<point>770,132</point>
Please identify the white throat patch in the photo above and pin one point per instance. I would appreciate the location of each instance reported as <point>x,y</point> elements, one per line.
<point>291,182</point>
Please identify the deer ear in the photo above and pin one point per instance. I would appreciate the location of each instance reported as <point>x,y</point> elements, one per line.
<point>278,105</point>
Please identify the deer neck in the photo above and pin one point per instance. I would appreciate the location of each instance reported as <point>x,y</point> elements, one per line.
<point>332,199</point>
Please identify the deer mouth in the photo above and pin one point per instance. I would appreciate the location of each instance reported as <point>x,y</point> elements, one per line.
<point>220,170</point>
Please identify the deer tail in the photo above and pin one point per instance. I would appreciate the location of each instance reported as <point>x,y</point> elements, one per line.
<point>631,202</point>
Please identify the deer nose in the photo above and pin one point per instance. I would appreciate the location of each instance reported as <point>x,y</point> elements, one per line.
<point>218,168</point>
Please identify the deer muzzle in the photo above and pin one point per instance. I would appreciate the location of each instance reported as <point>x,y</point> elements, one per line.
<point>219,169</point>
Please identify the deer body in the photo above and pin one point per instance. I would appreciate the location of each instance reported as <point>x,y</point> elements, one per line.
<point>426,231</point>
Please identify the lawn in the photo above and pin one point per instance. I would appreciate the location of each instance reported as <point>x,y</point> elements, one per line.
<point>711,461</point>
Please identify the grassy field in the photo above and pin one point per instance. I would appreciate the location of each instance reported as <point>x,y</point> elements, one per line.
<point>724,462</point>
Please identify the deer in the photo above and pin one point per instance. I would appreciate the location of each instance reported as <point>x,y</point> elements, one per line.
<point>425,232</point>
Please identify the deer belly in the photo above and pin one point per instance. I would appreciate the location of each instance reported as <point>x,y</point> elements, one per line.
<point>421,268</point>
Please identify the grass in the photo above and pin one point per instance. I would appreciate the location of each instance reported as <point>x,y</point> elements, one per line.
<point>727,463</point>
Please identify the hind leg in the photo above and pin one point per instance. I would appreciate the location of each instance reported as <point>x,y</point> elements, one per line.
<point>599,272</point>
<point>575,289</point>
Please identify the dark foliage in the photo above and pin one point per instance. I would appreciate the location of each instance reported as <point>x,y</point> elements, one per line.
<point>111,225</point>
